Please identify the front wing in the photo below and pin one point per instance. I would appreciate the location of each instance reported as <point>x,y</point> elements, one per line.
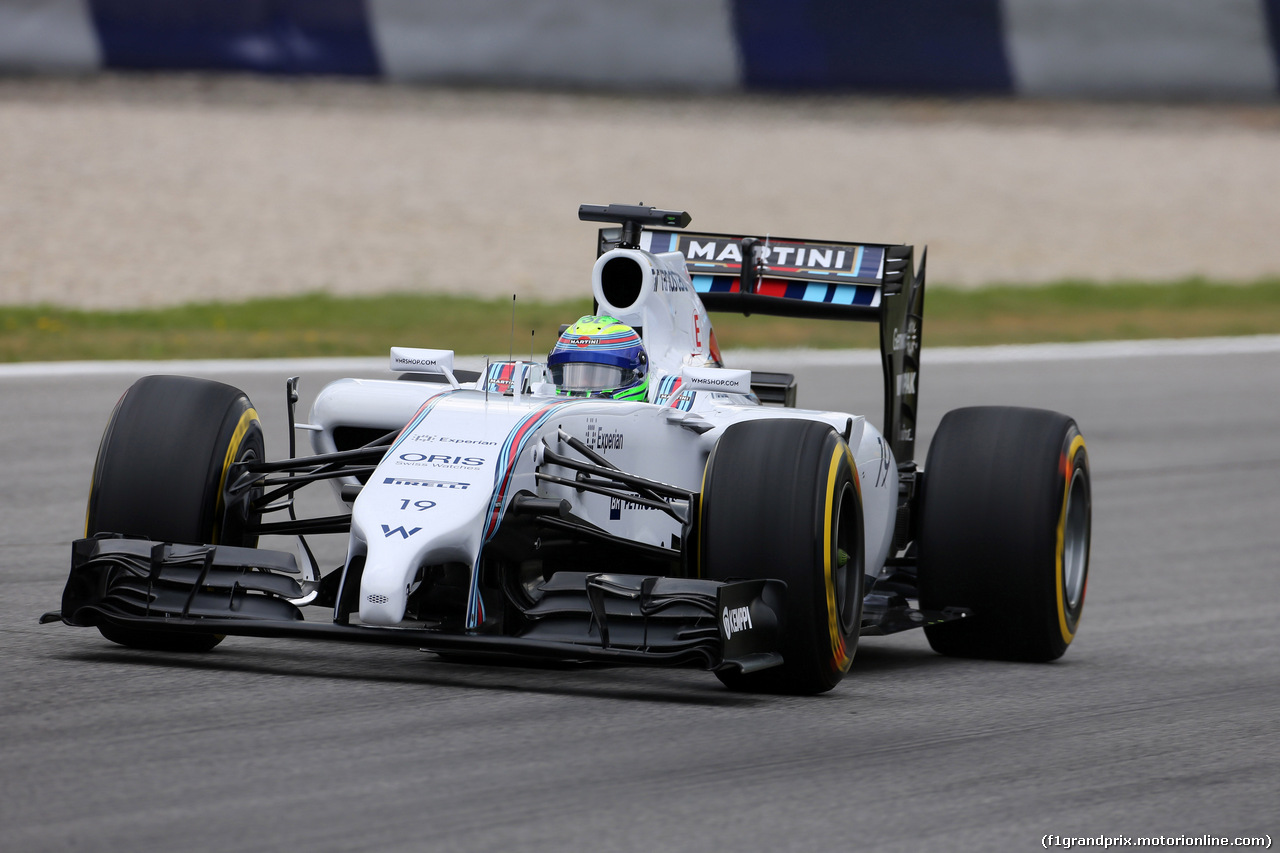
<point>580,616</point>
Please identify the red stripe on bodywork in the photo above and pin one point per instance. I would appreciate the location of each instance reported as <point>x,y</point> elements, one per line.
<point>516,438</point>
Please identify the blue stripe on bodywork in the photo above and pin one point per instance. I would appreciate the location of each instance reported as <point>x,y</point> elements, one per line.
<point>417,419</point>
<point>514,444</point>
<point>869,261</point>
<point>816,292</point>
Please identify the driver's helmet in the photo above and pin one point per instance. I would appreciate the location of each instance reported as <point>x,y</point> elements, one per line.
<point>600,357</point>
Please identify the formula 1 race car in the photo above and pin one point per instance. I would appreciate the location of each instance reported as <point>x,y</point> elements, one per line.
<point>630,500</point>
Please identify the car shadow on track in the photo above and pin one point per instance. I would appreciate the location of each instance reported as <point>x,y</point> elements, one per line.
<point>675,687</point>
<point>873,657</point>
<point>352,663</point>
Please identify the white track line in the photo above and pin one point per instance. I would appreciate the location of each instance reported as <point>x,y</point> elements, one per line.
<point>746,358</point>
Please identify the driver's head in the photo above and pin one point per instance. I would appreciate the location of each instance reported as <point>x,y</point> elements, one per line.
<point>600,357</point>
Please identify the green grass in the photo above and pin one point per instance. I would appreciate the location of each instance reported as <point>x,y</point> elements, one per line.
<point>322,325</point>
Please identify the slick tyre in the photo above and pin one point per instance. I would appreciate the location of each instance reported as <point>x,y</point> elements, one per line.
<point>161,473</point>
<point>780,499</point>
<point>1004,530</point>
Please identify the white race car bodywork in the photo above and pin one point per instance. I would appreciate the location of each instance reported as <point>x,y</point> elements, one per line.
<point>442,490</point>
<point>489,514</point>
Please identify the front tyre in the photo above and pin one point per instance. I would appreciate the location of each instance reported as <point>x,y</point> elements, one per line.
<point>780,499</point>
<point>1005,524</point>
<point>161,473</point>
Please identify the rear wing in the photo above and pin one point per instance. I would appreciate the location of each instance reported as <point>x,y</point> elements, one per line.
<point>873,282</point>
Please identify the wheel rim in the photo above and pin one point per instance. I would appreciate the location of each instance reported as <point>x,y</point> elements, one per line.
<point>843,572</point>
<point>229,530</point>
<point>1075,540</point>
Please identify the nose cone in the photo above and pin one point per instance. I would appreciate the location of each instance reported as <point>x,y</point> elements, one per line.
<point>383,597</point>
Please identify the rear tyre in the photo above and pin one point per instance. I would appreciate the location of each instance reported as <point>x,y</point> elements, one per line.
<point>1004,530</point>
<point>780,499</point>
<point>161,473</point>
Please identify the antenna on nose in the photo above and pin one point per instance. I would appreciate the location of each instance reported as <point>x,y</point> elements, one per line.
<point>511,343</point>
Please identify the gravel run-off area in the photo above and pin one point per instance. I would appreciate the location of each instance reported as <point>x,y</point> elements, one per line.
<point>123,191</point>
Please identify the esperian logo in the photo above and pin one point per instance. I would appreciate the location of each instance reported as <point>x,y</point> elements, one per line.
<point>599,439</point>
<point>448,439</point>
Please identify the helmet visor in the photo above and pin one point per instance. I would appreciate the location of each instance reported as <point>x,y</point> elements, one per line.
<point>589,376</point>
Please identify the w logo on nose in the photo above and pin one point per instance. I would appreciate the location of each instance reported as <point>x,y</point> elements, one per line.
<point>388,531</point>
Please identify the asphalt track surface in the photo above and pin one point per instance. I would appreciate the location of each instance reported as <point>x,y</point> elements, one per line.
<point>1160,720</point>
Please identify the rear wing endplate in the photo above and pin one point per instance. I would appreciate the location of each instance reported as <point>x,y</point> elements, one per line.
<point>873,282</point>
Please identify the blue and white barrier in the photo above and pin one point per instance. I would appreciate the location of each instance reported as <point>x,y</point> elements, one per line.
<point>1080,48</point>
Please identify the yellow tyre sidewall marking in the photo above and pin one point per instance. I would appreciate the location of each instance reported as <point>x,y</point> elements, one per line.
<point>247,419</point>
<point>840,658</point>
<point>1077,444</point>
